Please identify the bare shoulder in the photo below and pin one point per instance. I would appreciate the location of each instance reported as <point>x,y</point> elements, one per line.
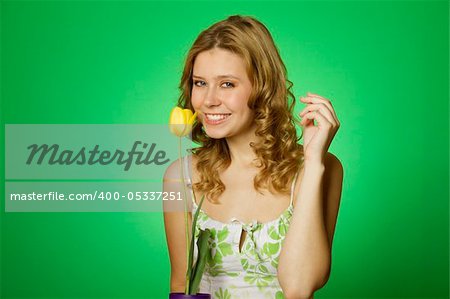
<point>333,166</point>
<point>173,171</point>
<point>332,192</point>
<point>333,175</point>
<point>173,183</point>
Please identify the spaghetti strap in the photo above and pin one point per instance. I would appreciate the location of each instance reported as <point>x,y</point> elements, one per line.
<point>292,189</point>
<point>187,177</point>
<point>186,172</point>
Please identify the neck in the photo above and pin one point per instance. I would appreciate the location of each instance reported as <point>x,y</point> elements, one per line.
<point>242,155</point>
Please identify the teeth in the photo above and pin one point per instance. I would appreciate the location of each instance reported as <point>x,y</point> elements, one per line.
<point>217,116</point>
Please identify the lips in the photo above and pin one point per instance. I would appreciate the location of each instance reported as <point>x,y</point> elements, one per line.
<point>216,118</point>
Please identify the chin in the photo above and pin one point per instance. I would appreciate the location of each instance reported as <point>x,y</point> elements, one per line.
<point>214,132</point>
<point>215,135</point>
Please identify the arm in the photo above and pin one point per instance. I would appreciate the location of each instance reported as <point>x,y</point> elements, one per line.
<point>305,259</point>
<point>174,224</point>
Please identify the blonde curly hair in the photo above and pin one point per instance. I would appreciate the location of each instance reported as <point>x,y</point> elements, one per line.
<point>278,154</point>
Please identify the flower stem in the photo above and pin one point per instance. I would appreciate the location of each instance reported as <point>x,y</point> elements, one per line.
<point>186,222</point>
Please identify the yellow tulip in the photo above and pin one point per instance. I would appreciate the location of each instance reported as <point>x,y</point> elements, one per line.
<point>181,121</point>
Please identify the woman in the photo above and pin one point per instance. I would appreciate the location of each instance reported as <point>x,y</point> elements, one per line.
<point>271,204</point>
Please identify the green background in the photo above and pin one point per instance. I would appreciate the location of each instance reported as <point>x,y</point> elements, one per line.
<point>384,65</point>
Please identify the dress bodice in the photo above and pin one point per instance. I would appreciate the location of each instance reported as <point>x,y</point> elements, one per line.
<point>249,272</point>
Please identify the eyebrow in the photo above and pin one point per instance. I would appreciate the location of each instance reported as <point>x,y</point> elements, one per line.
<point>218,77</point>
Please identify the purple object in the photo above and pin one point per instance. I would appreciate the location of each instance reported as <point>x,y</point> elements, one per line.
<point>183,296</point>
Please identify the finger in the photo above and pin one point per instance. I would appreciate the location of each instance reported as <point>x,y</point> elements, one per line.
<point>323,108</point>
<point>322,121</point>
<point>327,103</point>
<point>306,121</point>
<point>312,107</point>
<point>315,95</point>
<point>324,100</point>
<point>318,96</point>
<point>318,99</point>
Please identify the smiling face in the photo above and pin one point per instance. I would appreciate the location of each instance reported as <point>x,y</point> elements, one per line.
<point>220,92</point>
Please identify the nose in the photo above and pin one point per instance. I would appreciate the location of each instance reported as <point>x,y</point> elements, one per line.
<point>211,98</point>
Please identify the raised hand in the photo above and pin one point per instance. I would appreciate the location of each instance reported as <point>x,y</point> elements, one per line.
<point>317,139</point>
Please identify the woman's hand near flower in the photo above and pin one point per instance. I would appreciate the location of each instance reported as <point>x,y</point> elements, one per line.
<point>317,139</point>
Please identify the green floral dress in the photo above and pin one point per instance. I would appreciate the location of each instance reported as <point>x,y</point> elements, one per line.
<point>251,272</point>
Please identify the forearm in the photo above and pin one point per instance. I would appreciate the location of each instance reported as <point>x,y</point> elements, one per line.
<point>305,258</point>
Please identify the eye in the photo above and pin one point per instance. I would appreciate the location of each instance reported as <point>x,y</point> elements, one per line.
<point>198,83</point>
<point>228,84</point>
